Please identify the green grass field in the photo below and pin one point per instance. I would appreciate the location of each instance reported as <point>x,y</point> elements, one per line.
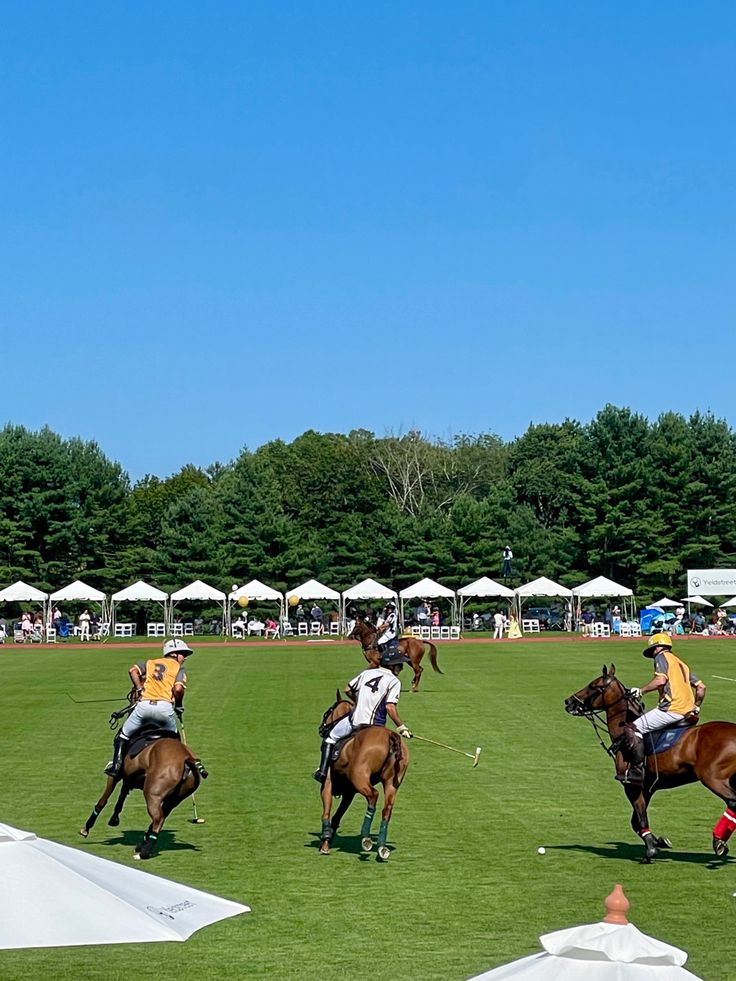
<point>464,889</point>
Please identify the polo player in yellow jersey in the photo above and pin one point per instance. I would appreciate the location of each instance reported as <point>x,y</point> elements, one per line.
<point>160,684</point>
<point>681,693</point>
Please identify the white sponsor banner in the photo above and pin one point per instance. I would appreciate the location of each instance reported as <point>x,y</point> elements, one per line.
<point>711,582</point>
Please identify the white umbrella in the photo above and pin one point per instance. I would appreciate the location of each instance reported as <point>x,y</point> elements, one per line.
<point>731,602</point>
<point>696,601</point>
<point>664,602</point>
<point>613,950</point>
<point>56,896</point>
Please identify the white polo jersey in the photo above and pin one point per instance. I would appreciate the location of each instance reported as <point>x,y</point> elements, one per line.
<point>374,689</point>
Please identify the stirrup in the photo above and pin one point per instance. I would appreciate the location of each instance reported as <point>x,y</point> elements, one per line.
<point>110,769</point>
<point>632,774</point>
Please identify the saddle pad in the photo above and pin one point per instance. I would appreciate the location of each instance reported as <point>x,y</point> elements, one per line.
<point>664,739</point>
<point>147,736</point>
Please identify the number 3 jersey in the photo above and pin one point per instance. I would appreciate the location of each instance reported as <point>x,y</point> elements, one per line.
<point>160,676</point>
<point>374,689</point>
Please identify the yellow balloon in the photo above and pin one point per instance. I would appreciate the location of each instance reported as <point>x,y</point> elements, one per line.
<point>242,601</point>
<point>293,601</point>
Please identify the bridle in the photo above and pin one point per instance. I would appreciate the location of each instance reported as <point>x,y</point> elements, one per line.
<point>598,717</point>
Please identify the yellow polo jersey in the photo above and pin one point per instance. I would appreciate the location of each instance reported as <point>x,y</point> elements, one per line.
<point>160,676</point>
<point>679,681</point>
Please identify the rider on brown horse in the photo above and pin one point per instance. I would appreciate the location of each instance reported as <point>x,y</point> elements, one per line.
<point>681,695</point>
<point>376,692</point>
<point>386,627</point>
<point>159,686</point>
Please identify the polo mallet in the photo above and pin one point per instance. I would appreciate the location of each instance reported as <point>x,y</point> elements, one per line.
<point>196,819</point>
<point>473,756</point>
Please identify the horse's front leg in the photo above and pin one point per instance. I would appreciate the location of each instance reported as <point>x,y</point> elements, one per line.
<point>97,809</point>
<point>417,675</point>
<point>327,829</point>
<point>639,798</point>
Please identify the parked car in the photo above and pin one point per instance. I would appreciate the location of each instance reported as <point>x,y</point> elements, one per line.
<point>550,618</point>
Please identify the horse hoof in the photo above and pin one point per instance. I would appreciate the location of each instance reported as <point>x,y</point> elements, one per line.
<point>113,821</point>
<point>83,832</point>
<point>324,848</point>
<point>720,847</point>
<point>366,844</point>
<point>383,853</point>
<point>136,856</point>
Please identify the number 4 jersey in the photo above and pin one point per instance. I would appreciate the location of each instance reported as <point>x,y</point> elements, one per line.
<point>374,689</point>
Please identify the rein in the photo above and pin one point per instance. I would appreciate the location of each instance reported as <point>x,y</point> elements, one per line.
<point>121,713</point>
<point>598,718</point>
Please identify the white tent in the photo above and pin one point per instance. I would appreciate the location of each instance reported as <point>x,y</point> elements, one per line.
<point>603,587</point>
<point>731,602</point>
<point>366,590</point>
<point>664,603</point>
<point>541,587</point>
<point>313,590</point>
<point>80,592</point>
<point>481,589</point>
<point>696,601</point>
<point>428,589</point>
<point>198,592</point>
<point>21,592</point>
<point>56,896</point>
<point>138,592</point>
<point>259,592</point>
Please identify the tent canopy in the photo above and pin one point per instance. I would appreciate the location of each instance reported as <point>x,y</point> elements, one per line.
<point>602,587</point>
<point>139,592</point>
<point>199,590</point>
<point>313,590</point>
<point>426,588</point>
<point>543,587</point>
<point>484,587</point>
<point>80,591</point>
<point>369,589</point>
<point>56,896</point>
<point>696,601</point>
<point>255,590</point>
<point>731,602</point>
<point>21,592</point>
<point>664,602</point>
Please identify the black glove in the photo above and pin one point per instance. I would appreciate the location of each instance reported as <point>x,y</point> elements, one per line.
<point>179,709</point>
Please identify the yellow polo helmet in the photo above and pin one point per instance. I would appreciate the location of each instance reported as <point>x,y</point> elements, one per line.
<point>657,640</point>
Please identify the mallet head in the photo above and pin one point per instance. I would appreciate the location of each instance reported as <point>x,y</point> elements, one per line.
<point>477,756</point>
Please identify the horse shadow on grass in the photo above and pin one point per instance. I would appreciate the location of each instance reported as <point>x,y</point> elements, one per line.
<point>626,851</point>
<point>349,844</point>
<point>167,841</point>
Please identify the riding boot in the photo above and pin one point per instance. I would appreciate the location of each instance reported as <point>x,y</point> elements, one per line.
<point>120,748</point>
<point>636,757</point>
<point>324,762</point>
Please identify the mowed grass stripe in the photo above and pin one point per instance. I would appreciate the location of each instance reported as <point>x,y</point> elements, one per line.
<point>464,889</point>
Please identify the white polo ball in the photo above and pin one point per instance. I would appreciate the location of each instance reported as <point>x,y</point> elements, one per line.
<point>541,850</point>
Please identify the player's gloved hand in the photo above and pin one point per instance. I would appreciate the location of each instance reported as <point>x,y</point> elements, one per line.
<point>635,692</point>
<point>695,710</point>
<point>405,731</point>
<point>179,709</point>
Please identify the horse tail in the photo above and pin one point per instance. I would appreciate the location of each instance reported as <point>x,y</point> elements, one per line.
<point>433,657</point>
<point>396,750</point>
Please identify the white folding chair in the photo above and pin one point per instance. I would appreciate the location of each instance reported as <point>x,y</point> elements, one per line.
<point>188,629</point>
<point>454,633</point>
<point>50,635</point>
<point>434,633</point>
<point>152,630</point>
<point>444,633</point>
<point>635,628</point>
<point>120,629</point>
<point>303,629</point>
<point>315,628</point>
<point>625,630</point>
<point>177,630</point>
<point>530,627</point>
<point>416,632</point>
<point>334,628</point>
<point>286,628</point>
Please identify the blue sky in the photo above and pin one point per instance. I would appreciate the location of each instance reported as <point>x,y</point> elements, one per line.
<point>227,223</point>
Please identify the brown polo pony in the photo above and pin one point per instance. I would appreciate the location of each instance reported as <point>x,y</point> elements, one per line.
<point>412,647</point>
<point>167,773</point>
<point>373,755</point>
<point>704,752</point>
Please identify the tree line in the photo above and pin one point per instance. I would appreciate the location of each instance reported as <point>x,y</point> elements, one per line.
<point>621,496</point>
